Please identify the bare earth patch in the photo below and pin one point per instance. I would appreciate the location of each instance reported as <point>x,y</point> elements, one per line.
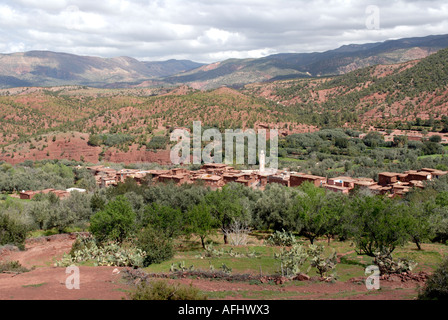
<point>46,282</point>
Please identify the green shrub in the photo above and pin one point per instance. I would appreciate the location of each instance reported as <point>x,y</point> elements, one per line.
<point>110,139</point>
<point>158,143</point>
<point>436,287</point>
<point>161,290</point>
<point>157,245</point>
<point>166,219</point>
<point>115,222</point>
<point>12,232</point>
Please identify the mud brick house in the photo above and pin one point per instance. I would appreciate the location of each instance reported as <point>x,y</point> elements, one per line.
<point>282,179</point>
<point>249,180</point>
<point>345,182</point>
<point>178,179</point>
<point>155,174</point>
<point>377,189</point>
<point>104,176</point>
<point>364,183</point>
<point>179,171</point>
<point>386,178</point>
<point>216,167</point>
<point>27,195</point>
<point>140,176</point>
<point>263,180</point>
<point>212,181</point>
<point>399,189</point>
<point>297,179</point>
<point>337,188</point>
<point>231,176</point>
<point>106,182</point>
<point>418,175</point>
<point>341,184</point>
<point>124,174</point>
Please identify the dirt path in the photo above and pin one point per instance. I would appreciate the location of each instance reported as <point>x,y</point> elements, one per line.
<point>46,282</point>
<point>96,283</point>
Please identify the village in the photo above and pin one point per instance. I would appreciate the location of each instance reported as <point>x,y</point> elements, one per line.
<point>216,176</point>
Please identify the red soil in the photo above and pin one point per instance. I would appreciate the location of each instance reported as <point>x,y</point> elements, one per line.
<point>46,282</point>
<point>75,147</point>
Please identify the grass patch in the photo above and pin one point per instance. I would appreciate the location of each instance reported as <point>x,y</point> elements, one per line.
<point>432,156</point>
<point>34,285</point>
<point>287,159</point>
<point>352,265</point>
<point>42,233</point>
<point>52,232</point>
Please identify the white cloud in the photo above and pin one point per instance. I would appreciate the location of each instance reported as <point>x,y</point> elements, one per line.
<point>206,30</point>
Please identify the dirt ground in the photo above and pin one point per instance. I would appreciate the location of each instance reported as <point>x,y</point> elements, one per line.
<point>46,282</point>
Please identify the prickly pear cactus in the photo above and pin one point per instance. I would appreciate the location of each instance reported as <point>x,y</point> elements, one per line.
<point>111,254</point>
<point>388,265</point>
<point>292,260</point>
<point>324,265</point>
<point>281,238</point>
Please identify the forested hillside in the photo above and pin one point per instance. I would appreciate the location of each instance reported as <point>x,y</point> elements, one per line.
<point>393,96</point>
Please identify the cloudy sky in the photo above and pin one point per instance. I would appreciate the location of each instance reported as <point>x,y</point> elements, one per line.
<point>210,30</point>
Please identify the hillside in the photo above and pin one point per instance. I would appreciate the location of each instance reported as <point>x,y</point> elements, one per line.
<point>120,125</point>
<point>383,95</point>
<point>306,65</point>
<point>44,68</point>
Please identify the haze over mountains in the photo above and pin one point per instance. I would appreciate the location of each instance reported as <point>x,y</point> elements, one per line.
<point>44,68</point>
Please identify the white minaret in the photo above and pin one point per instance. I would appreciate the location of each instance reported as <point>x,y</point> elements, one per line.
<point>262,161</point>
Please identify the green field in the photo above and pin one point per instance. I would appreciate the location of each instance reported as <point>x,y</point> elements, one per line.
<point>352,265</point>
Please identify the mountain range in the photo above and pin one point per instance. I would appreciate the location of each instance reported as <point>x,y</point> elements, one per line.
<point>44,68</point>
